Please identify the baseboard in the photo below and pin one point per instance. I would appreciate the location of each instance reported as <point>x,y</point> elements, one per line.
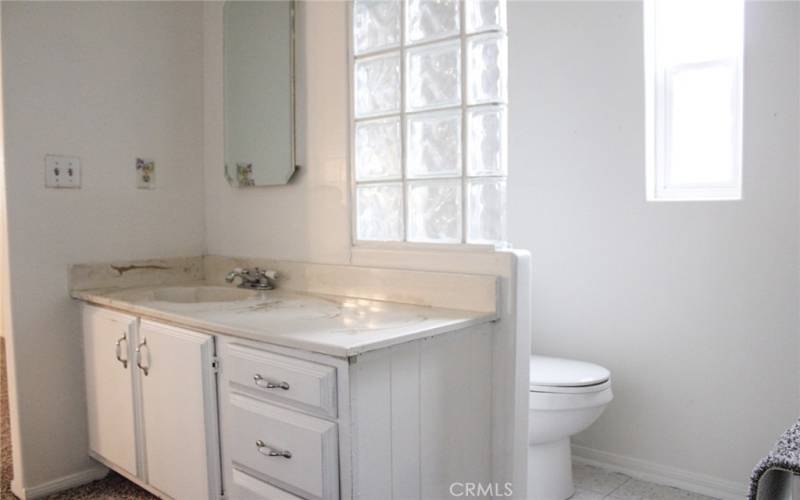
<point>59,484</point>
<point>661,474</point>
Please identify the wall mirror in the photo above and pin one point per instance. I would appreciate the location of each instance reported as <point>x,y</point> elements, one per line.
<point>258,59</point>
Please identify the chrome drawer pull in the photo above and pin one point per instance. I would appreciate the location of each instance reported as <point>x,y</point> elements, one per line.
<point>269,384</point>
<point>145,369</point>
<point>271,452</point>
<point>119,350</point>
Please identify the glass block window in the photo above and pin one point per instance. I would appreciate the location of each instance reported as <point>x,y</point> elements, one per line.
<point>429,120</point>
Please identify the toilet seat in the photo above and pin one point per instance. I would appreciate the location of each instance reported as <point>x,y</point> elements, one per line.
<point>566,376</point>
<point>570,390</point>
<point>564,401</point>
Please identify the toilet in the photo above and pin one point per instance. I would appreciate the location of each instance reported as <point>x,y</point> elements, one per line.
<point>565,398</point>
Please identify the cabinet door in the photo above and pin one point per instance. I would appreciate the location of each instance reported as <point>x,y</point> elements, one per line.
<point>107,346</point>
<point>179,410</point>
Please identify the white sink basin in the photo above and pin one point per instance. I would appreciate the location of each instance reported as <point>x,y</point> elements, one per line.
<point>200,294</point>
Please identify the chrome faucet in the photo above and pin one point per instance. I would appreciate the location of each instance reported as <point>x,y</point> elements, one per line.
<point>253,278</point>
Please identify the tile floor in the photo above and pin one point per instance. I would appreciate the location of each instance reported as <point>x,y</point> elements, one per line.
<point>594,483</point>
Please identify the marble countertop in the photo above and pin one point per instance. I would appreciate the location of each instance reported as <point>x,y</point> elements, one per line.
<point>327,324</point>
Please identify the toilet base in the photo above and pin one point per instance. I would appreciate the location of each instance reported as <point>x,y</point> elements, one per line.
<point>550,471</point>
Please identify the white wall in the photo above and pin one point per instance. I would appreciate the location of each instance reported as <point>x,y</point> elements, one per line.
<point>307,220</point>
<point>692,306</point>
<point>3,233</point>
<point>107,82</point>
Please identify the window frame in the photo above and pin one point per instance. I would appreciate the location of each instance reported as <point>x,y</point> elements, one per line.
<point>462,37</point>
<point>658,116</point>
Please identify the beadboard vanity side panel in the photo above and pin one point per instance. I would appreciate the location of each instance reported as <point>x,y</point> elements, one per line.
<point>422,416</point>
<point>511,343</point>
<point>471,292</point>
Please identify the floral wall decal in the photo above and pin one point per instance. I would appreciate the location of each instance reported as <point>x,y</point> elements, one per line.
<point>146,173</point>
<point>244,174</point>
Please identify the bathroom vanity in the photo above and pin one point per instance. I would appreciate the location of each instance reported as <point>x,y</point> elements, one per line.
<point>202,391</point>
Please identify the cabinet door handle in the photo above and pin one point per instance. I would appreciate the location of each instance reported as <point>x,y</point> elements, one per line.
<point>268,451</point>
<point>142,344</point>
<point>269,384</point>
<point>118,350</point>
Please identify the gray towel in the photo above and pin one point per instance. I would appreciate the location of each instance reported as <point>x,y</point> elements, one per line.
<point>772,477</point>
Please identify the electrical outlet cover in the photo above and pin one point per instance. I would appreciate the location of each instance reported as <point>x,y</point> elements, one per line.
<point>62,171</point>
<point>146,173</point>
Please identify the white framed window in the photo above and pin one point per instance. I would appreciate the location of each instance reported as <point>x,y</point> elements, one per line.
<point>429,106</point>
<point>694,51</point>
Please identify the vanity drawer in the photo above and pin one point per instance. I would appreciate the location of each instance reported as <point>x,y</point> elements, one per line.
<point>294,451</point>
<point>306,385</point>
<point>246,487</point>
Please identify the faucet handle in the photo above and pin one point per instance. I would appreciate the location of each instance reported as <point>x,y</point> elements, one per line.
<point>233,274</point>
<point>268,273</point>
<point>265,276</point>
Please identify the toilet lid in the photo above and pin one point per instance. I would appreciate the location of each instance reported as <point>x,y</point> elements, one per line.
<point>559,372</point>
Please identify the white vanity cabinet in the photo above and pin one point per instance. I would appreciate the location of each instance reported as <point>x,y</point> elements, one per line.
<point>400,422</point>
<point>110,376</point>
<point>179,410</point>
<point>151,398</point>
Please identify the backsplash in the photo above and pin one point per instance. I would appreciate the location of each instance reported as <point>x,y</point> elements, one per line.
<point>135,273</point>
<point>470,292</point>
<point>434,289</point>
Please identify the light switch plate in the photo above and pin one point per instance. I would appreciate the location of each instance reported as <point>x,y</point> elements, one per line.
<point>62,171</point>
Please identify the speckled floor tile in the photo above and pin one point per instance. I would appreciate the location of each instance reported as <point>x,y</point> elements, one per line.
<point>587,495</point>
<point>635,489</point>
<point>597,480</point>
